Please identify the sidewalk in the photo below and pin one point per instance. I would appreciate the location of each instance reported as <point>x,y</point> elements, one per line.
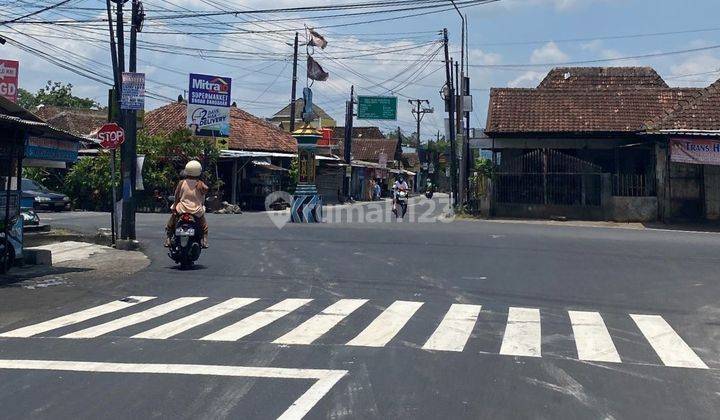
<point>710,227</point>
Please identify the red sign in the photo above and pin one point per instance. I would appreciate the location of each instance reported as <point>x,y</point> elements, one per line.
<point>702,152</point>
<point>111,136</point>
<point>9,79</point>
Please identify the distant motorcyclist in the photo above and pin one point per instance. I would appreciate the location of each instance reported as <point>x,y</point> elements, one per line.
<point>400,185</point>
<point>189,198</point>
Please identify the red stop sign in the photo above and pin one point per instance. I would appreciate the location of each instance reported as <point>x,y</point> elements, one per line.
<point>111,136</point>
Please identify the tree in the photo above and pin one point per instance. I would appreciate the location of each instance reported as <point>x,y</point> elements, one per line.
<point>54,94</point>
<point>88,182</point>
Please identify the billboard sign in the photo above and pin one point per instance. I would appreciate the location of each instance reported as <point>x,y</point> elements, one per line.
<point>701,152</point>
<point>9,79</point>
<point>377,108</point>
<point>133,91</point>
<point>208,111</point>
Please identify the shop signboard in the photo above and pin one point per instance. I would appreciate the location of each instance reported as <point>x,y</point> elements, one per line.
<point>208,111</point>
<point>697,151</point>
<point>9,79</point>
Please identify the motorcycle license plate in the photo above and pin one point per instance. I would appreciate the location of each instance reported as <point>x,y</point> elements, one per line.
<point>185,232</point>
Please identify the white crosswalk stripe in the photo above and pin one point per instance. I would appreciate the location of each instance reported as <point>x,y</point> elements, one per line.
<point>315,327</point>
<point>592,338</point>
<point>191,321</point>
<point>672,350</point>
<point>386,325</point>
<point>454,329</point>
<point>256,321</point>
<point>522,336</point>
<point>522,333</point>
<point>136,318</point>
<point>77,317</point>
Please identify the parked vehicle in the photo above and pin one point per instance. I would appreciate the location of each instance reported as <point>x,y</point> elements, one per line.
<point>30,218</point>
<point>43,198</point>
<point>185,242</point>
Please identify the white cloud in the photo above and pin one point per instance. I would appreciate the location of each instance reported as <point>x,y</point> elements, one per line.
<point>530,78</point>
<point>548,53</point>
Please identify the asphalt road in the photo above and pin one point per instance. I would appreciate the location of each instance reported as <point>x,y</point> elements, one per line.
<point>440,319</point>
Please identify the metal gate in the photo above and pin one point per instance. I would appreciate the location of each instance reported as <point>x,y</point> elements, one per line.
<point>548,177</point>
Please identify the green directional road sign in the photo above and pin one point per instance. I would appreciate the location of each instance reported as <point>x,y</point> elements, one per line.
<point>377,108</point>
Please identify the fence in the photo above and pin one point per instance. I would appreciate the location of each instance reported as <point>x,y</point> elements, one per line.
<point>633,185</point>
<point>548,177</point>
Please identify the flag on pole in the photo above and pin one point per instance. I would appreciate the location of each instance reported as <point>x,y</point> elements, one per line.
<point>315,71</point>
<point>316,40</point>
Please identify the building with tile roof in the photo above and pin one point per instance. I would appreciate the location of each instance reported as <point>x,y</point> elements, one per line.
<point>596,143</point>
<point>247,132</point>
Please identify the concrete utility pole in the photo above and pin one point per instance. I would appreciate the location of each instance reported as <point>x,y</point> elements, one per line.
<point>449,96</point>
<point>419,113</point>
<point>294,85</point>
<point>347,140</point>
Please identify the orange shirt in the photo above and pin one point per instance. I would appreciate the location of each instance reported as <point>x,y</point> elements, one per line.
<point>190,197</point>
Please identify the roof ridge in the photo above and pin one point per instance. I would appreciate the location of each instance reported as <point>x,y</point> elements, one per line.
<point>682,105</point>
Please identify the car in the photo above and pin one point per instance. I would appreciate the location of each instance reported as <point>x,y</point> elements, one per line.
<point>43,198</point>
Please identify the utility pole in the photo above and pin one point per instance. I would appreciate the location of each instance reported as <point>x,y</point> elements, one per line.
<point>294,86</point>
<point>419,112</point>
<point>347,141</point>
<point>450,100</point>
<point>460,128</point>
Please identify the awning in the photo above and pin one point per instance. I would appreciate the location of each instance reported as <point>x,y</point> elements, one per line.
<point>245,153</point>
<point>267,165</point>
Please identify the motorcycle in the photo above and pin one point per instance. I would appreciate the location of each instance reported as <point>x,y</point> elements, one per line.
<point>429,193</point>
<point>401,199</point>
<point>185,242</point>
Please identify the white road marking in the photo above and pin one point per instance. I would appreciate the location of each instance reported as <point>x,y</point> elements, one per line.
<point>386,325</point>
<point>326,379</point>
<point>256,321</point>
<point>191,321</point>
<point>73,250</point>
<point>76,317</point>
<point>136,318</point>
<point>592,337</point>
<point>455,328</point>
<point>668,345</point>
<point>522,333</point>
<point>315,327</point>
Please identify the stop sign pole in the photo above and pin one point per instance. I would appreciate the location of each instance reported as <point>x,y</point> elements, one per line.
<point>111,136</point>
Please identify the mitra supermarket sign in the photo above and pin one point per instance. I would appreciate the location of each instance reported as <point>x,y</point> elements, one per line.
<point>703,152</point>
<point>208,111</point>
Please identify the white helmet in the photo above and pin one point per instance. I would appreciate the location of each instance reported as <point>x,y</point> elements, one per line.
<point>193,168</point>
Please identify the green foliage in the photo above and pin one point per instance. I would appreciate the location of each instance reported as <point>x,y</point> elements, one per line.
<point>53,179</point>
<point>88,182</point>
<point>54,94</point>
<point>294,174</point>
<point>484,167</point>
<point>165,158</point>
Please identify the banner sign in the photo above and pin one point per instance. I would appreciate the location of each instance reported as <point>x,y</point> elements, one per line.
<point>377,108</point>
<point>702,152</point>
<point>9,79</point>
<point>208,111</point>
<point>51,149</point>
<point>133,91</point>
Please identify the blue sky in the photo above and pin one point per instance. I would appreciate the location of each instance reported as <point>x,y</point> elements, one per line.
<point>530,33</point>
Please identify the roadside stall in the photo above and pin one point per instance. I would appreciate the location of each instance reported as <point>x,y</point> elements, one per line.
<point>24,139</point>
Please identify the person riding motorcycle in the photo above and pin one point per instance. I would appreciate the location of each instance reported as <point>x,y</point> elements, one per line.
<point>400,185</point>
<point>189,198</point>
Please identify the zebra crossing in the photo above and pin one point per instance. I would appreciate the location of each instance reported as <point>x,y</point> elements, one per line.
<point>522,331</point>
